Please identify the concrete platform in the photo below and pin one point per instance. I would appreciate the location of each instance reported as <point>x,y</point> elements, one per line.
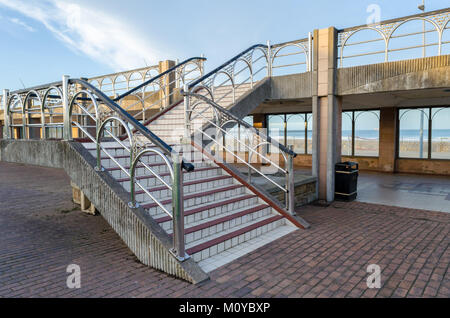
<point>405,190</point>
<point>42,232</point>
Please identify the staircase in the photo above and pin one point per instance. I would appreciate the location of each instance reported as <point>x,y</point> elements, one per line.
<point>222,214</point>
<point>223,219</point>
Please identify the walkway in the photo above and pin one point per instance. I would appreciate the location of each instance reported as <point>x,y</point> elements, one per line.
<point>405,190</point>
<point>42,232</point>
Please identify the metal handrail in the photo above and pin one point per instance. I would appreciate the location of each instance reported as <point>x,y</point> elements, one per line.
<point>287,153</point>
<point>217,69</point>
<point>131,120</point>
<point>244,123</point>
<point>163,150</point>
<point>158,77</point>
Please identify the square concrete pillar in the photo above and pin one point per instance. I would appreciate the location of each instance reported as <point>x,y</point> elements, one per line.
<point>327,113</point>
<point>168,82</point>
<point>79,198</point>
<point>388,138</point>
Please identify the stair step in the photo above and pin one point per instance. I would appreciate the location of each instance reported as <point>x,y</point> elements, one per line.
<point>225,218</point>
<point>230,254</point>
<point>232,234</point>
<point>207,206</point>
<point>195,200</point>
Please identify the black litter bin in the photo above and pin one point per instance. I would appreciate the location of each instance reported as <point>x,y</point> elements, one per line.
<point>346,181</point>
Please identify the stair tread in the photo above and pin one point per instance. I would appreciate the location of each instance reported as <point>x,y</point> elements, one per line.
<point>168,200</point>
<point>221,218</point>
<point>192,182</point>
<point>196,247</point>
<point>206,206</point>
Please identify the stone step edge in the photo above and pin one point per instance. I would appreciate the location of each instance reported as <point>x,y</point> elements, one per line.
<point>193,182</point>
<point>195,194</point>
<point>207,207</point>
<point>224,219</point>
<point>198,248</point>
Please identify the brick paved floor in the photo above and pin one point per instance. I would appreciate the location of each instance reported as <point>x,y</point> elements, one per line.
<point>41,232</point>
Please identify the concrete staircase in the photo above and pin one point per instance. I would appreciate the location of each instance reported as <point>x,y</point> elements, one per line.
<point>224,220</point>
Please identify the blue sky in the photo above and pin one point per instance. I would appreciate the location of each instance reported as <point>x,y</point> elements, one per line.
<point>43,39</point>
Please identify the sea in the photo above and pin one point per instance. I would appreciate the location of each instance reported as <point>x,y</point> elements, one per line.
<point>405,134</point>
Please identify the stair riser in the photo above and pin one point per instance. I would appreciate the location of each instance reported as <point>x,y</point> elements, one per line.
<point>109,163</point>
<point>140,171</point>
<point>221,227</point>
<point>223,246</point>
<point>209,199</point>
<point>166,193</point>
<point>187,177</point>
<point>112,152</point>
<point>143,171</point>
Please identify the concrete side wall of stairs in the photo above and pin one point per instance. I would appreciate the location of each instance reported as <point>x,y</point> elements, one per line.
<point>145,238</point>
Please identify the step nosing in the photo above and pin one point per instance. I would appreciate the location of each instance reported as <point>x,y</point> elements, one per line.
<point>200,194</point>
<point>223,219</point>
<point>209,206</point>
<point>202,246</point>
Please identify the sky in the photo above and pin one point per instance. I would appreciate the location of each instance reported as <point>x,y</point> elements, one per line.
<point>43,39</point>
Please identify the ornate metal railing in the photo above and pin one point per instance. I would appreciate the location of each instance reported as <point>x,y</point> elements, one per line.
<point>217,130</point>
<point>206,99</point>
<point>87,112</point>
<point>161,90</point>
<point>388,40</point>
<point>120,82</point>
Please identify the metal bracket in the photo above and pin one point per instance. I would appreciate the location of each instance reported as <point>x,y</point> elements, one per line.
<point>179,258</point>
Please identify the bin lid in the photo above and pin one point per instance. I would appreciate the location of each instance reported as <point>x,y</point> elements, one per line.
<point>347,165</point>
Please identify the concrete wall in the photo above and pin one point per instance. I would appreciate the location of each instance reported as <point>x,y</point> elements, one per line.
<point>402,165</point>
<point>294,86</point>
<point>421,73</point>
<point>145,238</point>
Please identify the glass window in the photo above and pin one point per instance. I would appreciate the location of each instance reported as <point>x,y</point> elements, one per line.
<point>275,125</point>
<point>347,133</point>
<point>295,130</point>
<point>413,136</point>
<point>309,118</point>
<point>367,133</point>
<point>440,133</point>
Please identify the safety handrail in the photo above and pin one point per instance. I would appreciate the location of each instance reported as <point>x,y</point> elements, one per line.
<point>272,141</point>
<point>217,69</point>
<point>164,151</point>
<point>153,79</point>
<point>218,122</point>
<point>131,120</point>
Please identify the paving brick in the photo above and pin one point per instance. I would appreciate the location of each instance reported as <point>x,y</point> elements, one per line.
<point>42,232</point>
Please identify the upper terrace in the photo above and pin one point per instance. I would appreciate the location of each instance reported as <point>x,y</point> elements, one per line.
<point>398,63</point>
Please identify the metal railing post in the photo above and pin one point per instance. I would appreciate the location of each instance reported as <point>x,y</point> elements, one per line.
<point>178,209</point>
<point>133,204</point>
<point>187,111</point>
<point>309,51</point>
<point>269,59</point>
<point>67,126</point>
<point>202,65</point>
<point>290,184</point>
<point>7,128</point>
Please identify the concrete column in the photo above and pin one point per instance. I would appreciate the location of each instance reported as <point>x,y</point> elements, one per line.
<point>388,132</point>
<point>166,95</point>
<point>327,113</point>
<point>6,123</point>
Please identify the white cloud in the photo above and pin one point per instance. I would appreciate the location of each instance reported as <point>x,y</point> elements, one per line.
<point>22,24</point>
<point>96,34</point>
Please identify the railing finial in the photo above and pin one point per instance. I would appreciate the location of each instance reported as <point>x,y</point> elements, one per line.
<point>67,125</point>
<point>7,130</point>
